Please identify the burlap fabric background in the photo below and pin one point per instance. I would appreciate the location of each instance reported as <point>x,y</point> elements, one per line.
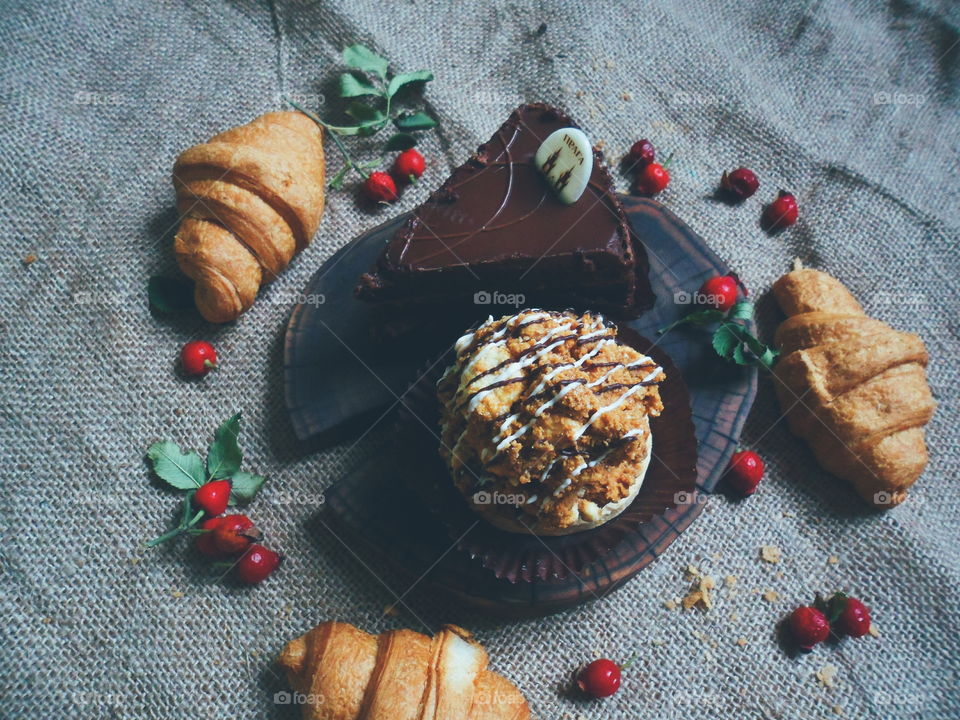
<point>853,105</point>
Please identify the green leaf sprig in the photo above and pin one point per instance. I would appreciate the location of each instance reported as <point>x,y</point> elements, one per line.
<point>187,471</point>
<point>731,339</point>
<point>374,90</point>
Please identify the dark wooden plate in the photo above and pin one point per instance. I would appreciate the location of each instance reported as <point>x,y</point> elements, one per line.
<point>670,481</point>
<point>339,376</point>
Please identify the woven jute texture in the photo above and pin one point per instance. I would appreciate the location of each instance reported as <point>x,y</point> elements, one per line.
<point>852,105</point>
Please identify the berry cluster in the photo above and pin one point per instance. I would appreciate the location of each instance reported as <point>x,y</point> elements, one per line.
<point>736,186</point>
<point>211,487</point>
<point>381,187</point>
<point>225,537</point>
<point>840,615</point>
<point>650,177</point>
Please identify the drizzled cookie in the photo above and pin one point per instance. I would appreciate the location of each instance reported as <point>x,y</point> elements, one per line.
<point>545,421</point>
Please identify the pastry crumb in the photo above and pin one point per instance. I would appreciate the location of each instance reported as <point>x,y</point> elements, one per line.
<point>788,514</point>
<point>734,617</point>
<point>176,593</point>
<point>742,642</point>
<point>29,259</point>
<point>779,575</point>
<point>600,145</point>
<point>833,559</point>
<point>770,553</point>
<point>837,710</point>
<point>692,570</point>
<point>730,580</point>
<point>771,596</point>
<point>626,97</point>
<point>669,604</point>
<point>874,631</point>
<point>827,675</point>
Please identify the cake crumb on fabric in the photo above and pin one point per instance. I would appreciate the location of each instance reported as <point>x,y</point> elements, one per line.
<point>771,596</point>
<point>827,675</point>
<point>770,553</point>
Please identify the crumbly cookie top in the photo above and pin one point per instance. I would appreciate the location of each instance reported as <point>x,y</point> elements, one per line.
<point>550,409</point>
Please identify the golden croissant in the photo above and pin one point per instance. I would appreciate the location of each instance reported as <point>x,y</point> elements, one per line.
<point>342,673</point>
<point>250,197</point>
<point>853,387</point>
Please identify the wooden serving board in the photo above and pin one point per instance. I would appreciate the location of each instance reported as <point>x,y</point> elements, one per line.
<point>339,378</point>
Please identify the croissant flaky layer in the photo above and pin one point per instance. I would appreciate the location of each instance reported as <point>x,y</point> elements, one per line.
<point>251,198</point>
<point>342,673</point>
<point>853,387</point>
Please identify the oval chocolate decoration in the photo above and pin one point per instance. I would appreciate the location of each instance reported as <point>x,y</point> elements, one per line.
<point>566,159</point>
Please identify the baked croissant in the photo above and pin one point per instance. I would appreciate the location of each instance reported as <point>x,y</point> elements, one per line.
<point>250,197</point>
<point>347,674</point>
<point>853,387</point>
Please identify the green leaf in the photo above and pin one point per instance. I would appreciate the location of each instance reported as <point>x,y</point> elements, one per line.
<point>351,86</point>
<point>398,81</point>
<point>400,141</point>
<point>725,339</point>
<point>769,357</point>
<point>245,486</point>
<point>415,121</point>
<point>224,456</point>
<point>178,469</point>
<point>361,112</point>
<point>743,310</point>
<point>363,58</point>
<point>170,295</point>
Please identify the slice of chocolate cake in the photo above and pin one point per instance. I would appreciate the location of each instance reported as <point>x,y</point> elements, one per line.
<point>496,226</point>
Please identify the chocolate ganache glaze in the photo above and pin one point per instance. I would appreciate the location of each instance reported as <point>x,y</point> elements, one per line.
<point>495,224</point>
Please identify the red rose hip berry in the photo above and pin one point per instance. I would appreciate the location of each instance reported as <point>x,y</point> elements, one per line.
<point>809,626</point>
<point>854,620</point>
<point>408,166</point>
<point>213,497</point>
<point>205,542</point>
<point>719,292</point>
<point>234,534</point>
<point>744,472</point>
<point>198,358</point>
<point>641,153</point>
<point>380,187</point>
<point>740,183</point>
<point>652,179</point>
<point>599,679</point>
<point>256,564</point>
<point>781,213</point>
